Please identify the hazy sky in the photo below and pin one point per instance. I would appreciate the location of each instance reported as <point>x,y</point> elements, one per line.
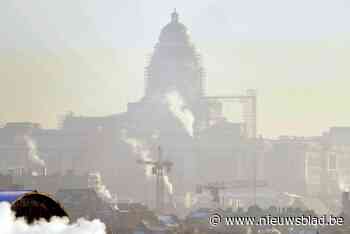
<point>89,57</point>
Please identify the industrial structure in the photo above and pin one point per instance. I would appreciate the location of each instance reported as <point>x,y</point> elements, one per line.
<point>160,168</point>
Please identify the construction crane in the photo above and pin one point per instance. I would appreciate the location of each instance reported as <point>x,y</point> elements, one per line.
<point>216,187</point>
<point>159,169</point>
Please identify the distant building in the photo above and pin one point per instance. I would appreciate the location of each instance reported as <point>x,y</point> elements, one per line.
<point>175,64</point>
<point>174,69</point>
<point>285,165</point>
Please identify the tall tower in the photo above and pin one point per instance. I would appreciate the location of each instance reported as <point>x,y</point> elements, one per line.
<point>175,65</point>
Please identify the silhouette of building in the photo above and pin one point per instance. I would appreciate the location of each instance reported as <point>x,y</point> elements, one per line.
<point>175,64</point>
<point>173,113</point>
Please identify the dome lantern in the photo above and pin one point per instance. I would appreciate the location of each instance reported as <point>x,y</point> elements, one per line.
<point>174,16</point>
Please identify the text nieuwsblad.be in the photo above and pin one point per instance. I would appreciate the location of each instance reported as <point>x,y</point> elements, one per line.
<point>284,221</point>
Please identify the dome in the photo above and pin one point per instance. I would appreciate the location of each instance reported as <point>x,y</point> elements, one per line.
<point>174,32</point>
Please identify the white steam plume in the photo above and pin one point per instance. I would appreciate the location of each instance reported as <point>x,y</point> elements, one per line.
<point>10,225</point>
<point>141,151</point>
<point>95,181</point>
<point>168,184</point>
<point>33,152</point>
<point>177,106</point>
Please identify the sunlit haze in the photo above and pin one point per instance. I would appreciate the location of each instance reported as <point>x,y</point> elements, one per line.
<point>89,57</point>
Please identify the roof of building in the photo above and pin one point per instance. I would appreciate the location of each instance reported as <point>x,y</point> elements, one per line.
<point>174,32</point>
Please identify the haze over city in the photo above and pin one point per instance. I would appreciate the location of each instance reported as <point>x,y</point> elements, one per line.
<point>89,58</point>
<point>174,117</point>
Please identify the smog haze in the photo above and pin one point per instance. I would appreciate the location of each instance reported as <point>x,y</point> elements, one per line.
<point>89,57</point>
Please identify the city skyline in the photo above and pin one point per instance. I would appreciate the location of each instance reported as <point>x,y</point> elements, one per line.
<point>301,81</point>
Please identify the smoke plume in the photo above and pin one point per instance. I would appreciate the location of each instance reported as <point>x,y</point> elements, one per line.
<point>143,151</point>
<point>178,108</point>
<point>33,152</point>
<point>168,184</point>
<point>95,181</point>
<point>10,225</point>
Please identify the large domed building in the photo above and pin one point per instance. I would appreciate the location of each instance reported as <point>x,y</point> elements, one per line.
<point>175,64</point>
<point>174,114</point>
<point>179,124</point>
